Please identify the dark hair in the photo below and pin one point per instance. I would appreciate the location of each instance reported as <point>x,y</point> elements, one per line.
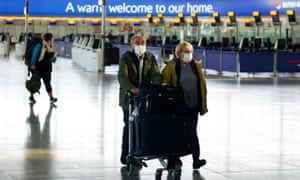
<point>48,36</point>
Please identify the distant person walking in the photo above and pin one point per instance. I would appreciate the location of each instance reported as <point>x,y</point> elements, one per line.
<point>44,54</point>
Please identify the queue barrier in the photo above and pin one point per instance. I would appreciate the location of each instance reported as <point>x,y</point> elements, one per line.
<point>235,61</point>
<point>248,62</point>
<point>288,62</point>
<point>63,48</point>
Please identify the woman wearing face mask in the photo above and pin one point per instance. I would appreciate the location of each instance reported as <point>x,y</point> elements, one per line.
<point>184,71</point>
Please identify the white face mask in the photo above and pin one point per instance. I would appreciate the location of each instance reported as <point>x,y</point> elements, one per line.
<point>139,49</point>
<point>187,57</point>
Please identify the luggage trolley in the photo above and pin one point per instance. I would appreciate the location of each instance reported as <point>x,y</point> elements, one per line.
<point>156,136</point>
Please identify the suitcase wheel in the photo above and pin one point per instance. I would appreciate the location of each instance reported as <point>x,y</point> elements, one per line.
<point>158,174</point>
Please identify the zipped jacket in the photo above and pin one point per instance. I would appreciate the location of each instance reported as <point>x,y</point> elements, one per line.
<point>171,76</point>
<point>128,74</point>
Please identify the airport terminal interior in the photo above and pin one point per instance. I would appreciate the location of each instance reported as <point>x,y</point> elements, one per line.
<point>252,70</point>
<point>251,131</point>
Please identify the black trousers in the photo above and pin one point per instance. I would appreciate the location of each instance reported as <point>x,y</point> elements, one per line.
<point>125,131</point>
<point>192,112</point>
<point>46,77</point>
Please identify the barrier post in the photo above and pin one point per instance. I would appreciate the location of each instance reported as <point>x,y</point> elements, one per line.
<point>221,62</point>
<point>238,63</point>
<point>26,15</point>
<point>275,63</point>
<point>103,32</point>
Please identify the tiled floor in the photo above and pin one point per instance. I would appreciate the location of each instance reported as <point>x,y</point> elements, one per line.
<point>252,130</point>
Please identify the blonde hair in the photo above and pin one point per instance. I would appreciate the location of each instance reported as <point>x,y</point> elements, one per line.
<point>183,45</point>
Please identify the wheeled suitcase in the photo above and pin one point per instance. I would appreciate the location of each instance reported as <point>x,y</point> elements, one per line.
<point>156,136</point>
<point>162,135</point>
<point>165,100</point>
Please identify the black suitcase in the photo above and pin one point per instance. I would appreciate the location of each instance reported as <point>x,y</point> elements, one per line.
<point>156,136</point>
<point>164,100</point>
<point>162,135</point>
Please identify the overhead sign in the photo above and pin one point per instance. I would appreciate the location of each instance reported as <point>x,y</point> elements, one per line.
<point>129,8</point>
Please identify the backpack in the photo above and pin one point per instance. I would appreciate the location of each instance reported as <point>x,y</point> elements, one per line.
<point>31,43</point>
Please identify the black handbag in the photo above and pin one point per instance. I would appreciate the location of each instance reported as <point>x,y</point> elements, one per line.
<point>165,100</point>
<point>33,84</point>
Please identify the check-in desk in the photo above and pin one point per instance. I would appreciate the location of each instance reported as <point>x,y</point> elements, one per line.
<point>4,44</point>
<point>20,46</point>
<point>77,50</point>
<point>87,53</point>
<point>20,49</point>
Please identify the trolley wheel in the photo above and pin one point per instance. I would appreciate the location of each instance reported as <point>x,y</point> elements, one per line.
<point>163,162</point>
<point>177,174</point>
<point>158,174</point>
<point>130,169</point>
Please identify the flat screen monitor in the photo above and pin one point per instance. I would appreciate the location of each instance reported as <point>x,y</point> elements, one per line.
<point>292,18</point>
<point>257,43</point>
<point>21,38</point>
<point>257,19</point>
<point>202,42</point>
<point>218,19</point>
<point>195,21</point>
<point>232,20</point>
<point>297,40</point>
<point>276,19</point>
<point>96,44</point>
<point>174,40</point>
<point>244,44</point>
<point>87,42</point>
<point>281,44</point>
<point>188,38</point>
<point>225,42</point>
<point>267,42</point>
<point>153,39</point>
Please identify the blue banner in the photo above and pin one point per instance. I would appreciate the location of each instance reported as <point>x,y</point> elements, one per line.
<point>92,8</point>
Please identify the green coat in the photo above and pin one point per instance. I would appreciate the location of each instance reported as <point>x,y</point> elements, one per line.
<point>128,74</point>
<point>170,77</point>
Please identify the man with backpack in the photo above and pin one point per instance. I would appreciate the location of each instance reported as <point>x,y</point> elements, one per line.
<point>40,65</point>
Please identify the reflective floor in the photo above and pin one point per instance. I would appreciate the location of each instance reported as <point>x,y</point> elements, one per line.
<point>251,131</point>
